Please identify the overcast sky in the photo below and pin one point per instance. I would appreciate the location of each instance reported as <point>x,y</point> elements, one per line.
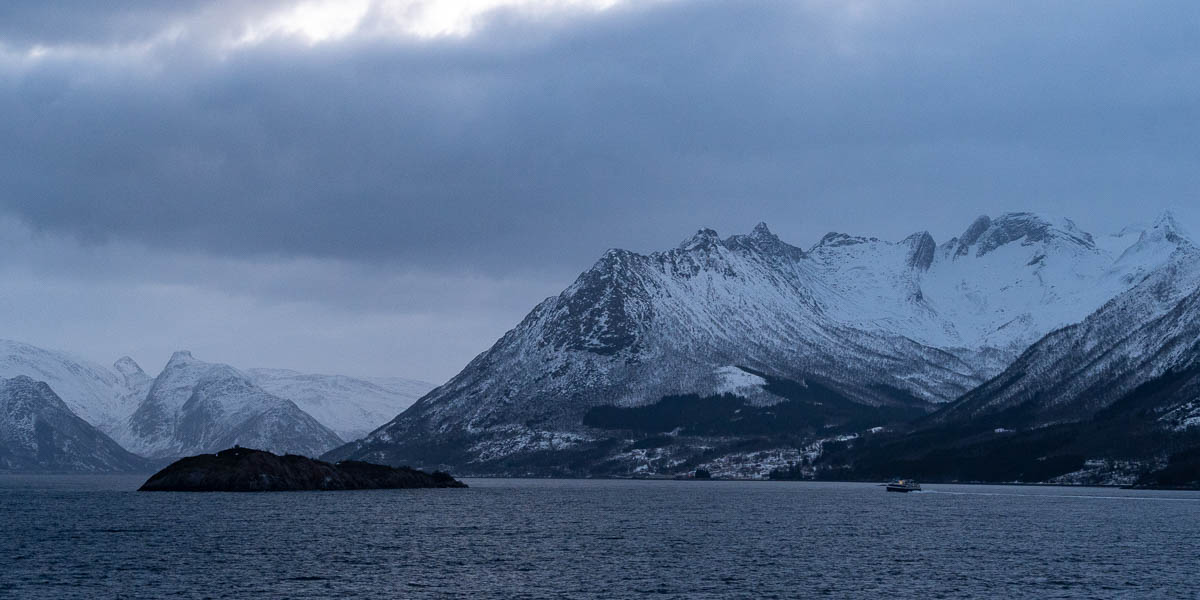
<point>385,187</point>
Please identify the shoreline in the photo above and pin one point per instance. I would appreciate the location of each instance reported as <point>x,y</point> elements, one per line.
<point>713,480</point>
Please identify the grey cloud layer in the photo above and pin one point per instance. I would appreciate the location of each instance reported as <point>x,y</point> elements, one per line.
<point>387,205</point>
<point>537,146</point>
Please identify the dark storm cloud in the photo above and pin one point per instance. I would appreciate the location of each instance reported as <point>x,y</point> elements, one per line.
<point>534,145</point>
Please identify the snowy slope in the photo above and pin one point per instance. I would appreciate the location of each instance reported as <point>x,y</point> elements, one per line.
<point>349,406</point>
<point>880,323</point>
<point>1002,285</point>
<point>107,397</point>
<point>38,432</point>
<point>1113,400</point>
<point>1141,335</point>
<point>196,407</point>
<point>101,396</point>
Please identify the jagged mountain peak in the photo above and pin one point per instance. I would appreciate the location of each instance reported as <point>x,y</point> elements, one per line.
<point>128,367</point>
<point>703,239</point>
<point>1155,245</point>
<point>760,237</point>
<point>183,372</point>
<point>1168,227</point>
<point>761,240</point>
<point>186,369</point>
<point>987,234</point>
<point>28,383</point>
<point>918,237</point>
<point>135,380</point>
<point>835,239</point>
<point>980,225</point>
<point>922,249</point>
<point>1167,216</point>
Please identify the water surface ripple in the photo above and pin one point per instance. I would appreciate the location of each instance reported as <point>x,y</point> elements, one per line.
<point>93,537</point>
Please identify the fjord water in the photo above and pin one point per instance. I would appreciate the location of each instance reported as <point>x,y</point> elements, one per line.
<point>94,537</point>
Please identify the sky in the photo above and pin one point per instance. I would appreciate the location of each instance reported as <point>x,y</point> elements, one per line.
<point>384,187</point>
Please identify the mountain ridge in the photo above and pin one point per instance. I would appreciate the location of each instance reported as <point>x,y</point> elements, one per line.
<point>910,323</point>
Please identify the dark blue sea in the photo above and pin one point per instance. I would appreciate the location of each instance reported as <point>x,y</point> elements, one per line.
<point>94,537</point>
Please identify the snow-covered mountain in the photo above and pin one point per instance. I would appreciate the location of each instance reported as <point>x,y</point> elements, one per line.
<point>104,397</point>
<point>38,432</point>
<point>851,320</point>
<point>1114,399</point>
<point>1141,335</point>
<point>351,407</point>
<point>107,397</point>
<point>196,407</point>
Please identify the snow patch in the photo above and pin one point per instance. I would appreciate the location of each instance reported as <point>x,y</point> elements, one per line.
<point>735,381</point>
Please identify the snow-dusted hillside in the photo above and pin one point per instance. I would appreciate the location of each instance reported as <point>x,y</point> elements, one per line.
<point>1113,400</point>
<point>873,322</point>
<point>38,432</point>
<point>1146,333</point>
<point>104,397</point>
<point>196,407</point>
<point>1001,285</point>
<point>351,407</point>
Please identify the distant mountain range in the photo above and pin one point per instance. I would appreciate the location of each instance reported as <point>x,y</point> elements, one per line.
<point>746,354</point>
<point>191,407</point>
<point>1024,349</point>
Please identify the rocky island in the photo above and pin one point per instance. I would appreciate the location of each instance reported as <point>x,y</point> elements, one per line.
<point>248,470</point>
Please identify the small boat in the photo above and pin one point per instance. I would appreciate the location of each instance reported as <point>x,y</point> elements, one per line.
<point>904,485</point>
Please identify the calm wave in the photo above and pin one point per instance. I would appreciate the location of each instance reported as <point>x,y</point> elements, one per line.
<point>93,537</point>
